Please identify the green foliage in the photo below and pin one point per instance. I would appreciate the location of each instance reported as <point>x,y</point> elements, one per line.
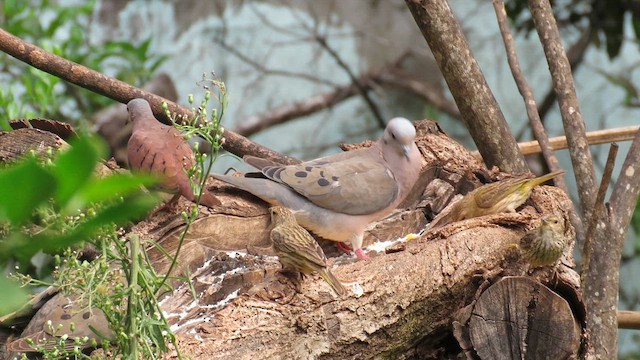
<point>62,30</point>
<point>54,205</point>
<point>604,17</point>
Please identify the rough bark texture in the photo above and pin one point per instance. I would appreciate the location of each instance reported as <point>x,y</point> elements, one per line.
<point>602,272</point>
<point>477,105</point>
<point>572,121</point>
<point>400,304</point>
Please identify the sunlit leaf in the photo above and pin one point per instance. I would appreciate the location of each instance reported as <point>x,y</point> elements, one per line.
<point>98,190</point>
<point>73,167</point>
<point>13,296</point>
<point>22,188</point>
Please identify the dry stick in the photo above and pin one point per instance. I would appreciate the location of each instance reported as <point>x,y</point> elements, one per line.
<point>598,209</point>
<point>629,320</point>
<point>563,85</point>
<point>626,133</point>
<point>593,138</point>
<point>364,91</point>
<point>385,75</point>
<point>468,86</point>
<point>120,91</point>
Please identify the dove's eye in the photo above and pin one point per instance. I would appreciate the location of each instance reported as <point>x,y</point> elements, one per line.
<point>393,136</point>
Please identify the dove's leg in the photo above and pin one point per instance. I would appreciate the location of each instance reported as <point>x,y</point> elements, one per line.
<point>356,244</point>
<point>344,247</point>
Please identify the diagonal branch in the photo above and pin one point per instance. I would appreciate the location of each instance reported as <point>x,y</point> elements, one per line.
<point>532,110</point>
<point>470,90</point>
<point>364,91</point>
<point>119,91</point>
<point>563,85</point>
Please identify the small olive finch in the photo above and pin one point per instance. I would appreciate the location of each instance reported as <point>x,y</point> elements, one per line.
<point>544,244</point>
<point>501,196</point>
<point>297,249</point>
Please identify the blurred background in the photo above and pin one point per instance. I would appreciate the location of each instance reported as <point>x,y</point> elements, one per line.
<point>290,67</point>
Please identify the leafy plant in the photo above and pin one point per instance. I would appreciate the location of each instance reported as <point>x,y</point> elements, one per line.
<point>62,29</point>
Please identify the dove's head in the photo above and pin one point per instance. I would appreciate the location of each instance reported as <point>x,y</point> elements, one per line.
<point>399,135</point>
<point>139,109</point>
<point>281,215</point>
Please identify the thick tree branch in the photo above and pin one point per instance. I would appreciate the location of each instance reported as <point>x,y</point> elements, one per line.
<point>477,105</point>
<point>119,91</point>
<point>601,275</point>
<point>572,121</point>
<point>575,54</point>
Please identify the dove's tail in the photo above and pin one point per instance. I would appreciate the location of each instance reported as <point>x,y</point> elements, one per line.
<point>333,281</point>
<point>270,191</point>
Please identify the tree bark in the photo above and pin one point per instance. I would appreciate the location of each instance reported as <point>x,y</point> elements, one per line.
<point>477,104</point>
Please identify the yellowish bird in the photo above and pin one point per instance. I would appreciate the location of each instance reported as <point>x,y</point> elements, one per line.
<point>501,196</point>
<point>297,249</point>
<point>544,244</point>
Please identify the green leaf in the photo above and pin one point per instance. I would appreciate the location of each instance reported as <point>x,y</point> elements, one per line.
<point>24,187</point>
<point>73,167</point>
<point>23,247</point>
<point>115,186</point>
<point>13,296</point>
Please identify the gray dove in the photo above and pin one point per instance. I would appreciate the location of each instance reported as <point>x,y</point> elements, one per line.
<point>338,196</point>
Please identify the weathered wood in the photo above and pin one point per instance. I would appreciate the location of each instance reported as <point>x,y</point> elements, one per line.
<point>518,318</point>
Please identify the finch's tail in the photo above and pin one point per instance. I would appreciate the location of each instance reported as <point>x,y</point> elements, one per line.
<point>333,281</point>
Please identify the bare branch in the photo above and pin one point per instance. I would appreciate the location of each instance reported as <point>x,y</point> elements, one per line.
<point>119,91</point>
<point>470,90</point>
<point>532,110</point>
<point>305,107</point>
<point>601,277</point>
<point>386,75</point>
<point>576,55</point>
<point>405,81</point>
<point>569,107</point>
<point>593,138</point>
<point>364,91</point>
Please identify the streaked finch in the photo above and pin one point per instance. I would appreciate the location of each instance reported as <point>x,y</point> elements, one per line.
<point>297,249</point>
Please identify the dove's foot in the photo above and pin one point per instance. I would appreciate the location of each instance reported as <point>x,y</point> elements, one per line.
<point>361,255</point>
<point>344,247</point>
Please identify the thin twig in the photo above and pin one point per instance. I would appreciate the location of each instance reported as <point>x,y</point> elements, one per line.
<point>284,113</point>
<point>364,91</point>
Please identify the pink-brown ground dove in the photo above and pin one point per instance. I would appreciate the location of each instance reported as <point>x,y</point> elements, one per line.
<point>338,196</point>
<point>160,149</point>
<point>68,316</point>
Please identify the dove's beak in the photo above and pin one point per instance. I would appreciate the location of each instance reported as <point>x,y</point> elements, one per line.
<point>406,150</point>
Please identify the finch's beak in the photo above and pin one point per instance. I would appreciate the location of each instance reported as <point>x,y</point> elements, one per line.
<point>406,150</point>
